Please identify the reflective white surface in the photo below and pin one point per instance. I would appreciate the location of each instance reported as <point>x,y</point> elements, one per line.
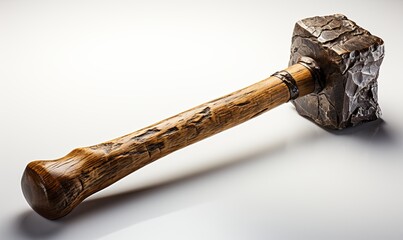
<point>78,73</point>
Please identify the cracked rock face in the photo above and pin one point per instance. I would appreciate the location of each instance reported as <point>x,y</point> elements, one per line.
<point>350,58</point>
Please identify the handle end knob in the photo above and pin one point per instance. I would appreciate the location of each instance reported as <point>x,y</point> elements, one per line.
<point>43,192</point>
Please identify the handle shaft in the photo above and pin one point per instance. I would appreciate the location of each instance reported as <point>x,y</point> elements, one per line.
<point>54,188</point>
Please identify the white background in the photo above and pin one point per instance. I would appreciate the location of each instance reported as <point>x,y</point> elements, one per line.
<point>77,73</point>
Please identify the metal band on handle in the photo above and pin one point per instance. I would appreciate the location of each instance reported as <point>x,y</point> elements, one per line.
<point>289,81</point>
<point>314,68</point>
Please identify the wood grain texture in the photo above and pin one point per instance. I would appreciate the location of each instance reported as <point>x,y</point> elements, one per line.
<point>54,188</point>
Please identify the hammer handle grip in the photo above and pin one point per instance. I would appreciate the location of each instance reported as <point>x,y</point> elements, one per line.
<point>54,188</point>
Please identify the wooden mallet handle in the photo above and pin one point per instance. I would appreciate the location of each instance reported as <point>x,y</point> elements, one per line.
<point>54,188</point>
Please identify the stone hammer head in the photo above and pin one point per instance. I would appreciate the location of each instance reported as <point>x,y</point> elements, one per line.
<point>349,58</point>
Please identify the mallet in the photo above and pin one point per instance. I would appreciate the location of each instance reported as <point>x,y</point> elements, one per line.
<point>332,80</point>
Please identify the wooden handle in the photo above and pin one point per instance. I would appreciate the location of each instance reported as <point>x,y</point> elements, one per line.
<point>54,188</point>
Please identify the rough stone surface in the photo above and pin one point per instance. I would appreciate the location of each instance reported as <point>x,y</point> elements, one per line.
<point>349,57</point>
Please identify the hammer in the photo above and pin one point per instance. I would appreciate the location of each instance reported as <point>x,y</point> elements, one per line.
<point>331,79</point>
